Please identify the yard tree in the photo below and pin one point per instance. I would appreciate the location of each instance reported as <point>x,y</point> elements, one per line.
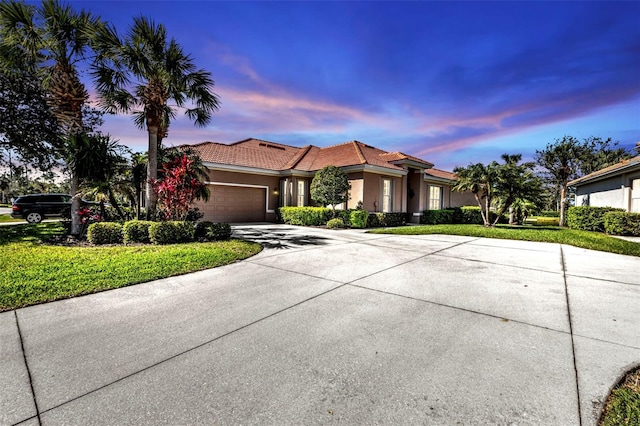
<point>50,41</point>
<point>330,186</point>
<point>515,182</point>
<point>480,181</point>
<point>568,158</point>
<point>27,125</point>
<point>140,74</point>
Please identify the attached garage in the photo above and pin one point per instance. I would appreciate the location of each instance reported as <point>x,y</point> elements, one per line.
<point>230,203</point>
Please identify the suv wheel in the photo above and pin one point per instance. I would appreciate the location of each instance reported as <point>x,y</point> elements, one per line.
<point>34,217</point>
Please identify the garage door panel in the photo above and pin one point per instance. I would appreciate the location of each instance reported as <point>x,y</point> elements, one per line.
<point>235,204</point>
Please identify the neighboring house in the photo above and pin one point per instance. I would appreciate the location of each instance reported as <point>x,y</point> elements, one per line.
<point>614,186</point>
<point>250,179</point>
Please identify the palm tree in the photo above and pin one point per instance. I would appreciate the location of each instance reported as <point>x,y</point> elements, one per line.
<point>51,40</point>
<point>479,180</point>
<point>141,74</point>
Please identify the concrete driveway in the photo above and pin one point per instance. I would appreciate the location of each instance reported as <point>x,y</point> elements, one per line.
<point>336,327</point>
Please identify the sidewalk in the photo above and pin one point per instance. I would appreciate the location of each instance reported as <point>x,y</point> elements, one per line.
<point>336,326</point>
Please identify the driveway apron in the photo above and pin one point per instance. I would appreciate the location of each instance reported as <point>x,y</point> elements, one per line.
<point>336,327</point>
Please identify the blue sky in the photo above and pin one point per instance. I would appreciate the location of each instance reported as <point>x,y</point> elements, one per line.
<point>450,82</point>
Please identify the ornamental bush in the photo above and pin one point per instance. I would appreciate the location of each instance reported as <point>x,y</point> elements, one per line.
<point>588,218</point>
<point>210,231</point>
<point>336,223</point>
<point>358,218</point>
<point>622,223</point>
<point>305,216</point>
<point>171,232</point>
<point>136,231</point>
<point>105,233</point>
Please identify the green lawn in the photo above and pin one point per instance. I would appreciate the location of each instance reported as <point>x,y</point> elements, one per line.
<point>32,272</point>
<point>623,405</point>
<point>550,234</point>
<point>8,218</point>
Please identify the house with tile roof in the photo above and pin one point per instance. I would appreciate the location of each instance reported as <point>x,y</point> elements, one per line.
<point>250,179</point>
<point>614,186</point>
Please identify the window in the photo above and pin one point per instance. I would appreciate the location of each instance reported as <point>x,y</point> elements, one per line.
<point>435,197</point>
<point>300,193</point>
<point>387,195</point>
<point>635,196</point>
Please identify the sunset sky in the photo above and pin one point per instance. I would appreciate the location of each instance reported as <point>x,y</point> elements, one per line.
<point>450,82</point>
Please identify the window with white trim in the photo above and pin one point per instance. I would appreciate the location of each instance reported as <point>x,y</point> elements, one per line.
<point>635,195</point>
<point>387,195</point>
<point>435,197</point>
<point>300,195</point>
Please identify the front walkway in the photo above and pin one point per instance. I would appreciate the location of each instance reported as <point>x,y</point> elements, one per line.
<point>336,326</point>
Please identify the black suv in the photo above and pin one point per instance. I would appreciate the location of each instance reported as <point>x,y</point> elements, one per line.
<point>36,207</point>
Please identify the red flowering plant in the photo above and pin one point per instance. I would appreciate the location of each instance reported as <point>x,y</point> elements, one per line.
<point>87,217</point>
<point>178,188</point>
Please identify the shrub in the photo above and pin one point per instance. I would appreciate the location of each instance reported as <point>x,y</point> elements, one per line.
<point>171,232</point>
<point>588,218</point>
<point>622,223</point>
<point>345,215</point>
<point>543,221</point>
<point>471,215</point>
<point>437,217</point>
<point>386,219</point>
<point>210,231</point>
<point>136,231</point>
<point>105,233</point>
<point>306,216</point>
<point>358,218</point>
<point>335,223</point>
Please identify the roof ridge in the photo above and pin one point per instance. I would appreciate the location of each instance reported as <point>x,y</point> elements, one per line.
<point>363,160</point>
<point>291,164</point>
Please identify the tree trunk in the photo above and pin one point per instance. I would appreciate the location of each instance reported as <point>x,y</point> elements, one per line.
<point>152,173</point>
<point>563,204</point>
<point>76,225</point>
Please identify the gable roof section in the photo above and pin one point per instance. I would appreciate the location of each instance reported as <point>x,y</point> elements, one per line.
<point>440,174</point>
<point>616,169</point>
<point>260,154</point>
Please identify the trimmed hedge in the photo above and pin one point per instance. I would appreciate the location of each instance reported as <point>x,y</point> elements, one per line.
<point>358,218</point>
<point>437,217</point>
<point>105,233</point>
<point>305,216</point>
<point>588,218</point>
<point>136,231</point>
<point>171,232</point>
<point>386,220</point>
<point>210,231</point>
<point>335,223</point>
<point>622,223</point>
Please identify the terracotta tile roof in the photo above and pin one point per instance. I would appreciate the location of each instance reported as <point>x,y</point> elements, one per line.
<point>624,164</point>
<point>441,174</point>
<point>262,154</point>
<point>249,153</point>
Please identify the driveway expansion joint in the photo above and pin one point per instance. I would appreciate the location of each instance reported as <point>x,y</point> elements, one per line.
<point>573,343</point>
<point>26,364</point>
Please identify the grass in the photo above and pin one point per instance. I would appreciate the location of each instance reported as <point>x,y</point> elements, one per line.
<point>7,218</point>
<point>623,405</point>
<point>582,239</point>
<point>32,272</point>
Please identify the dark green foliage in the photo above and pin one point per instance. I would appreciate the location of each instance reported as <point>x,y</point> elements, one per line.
<point>548,213</point>
<point>171,232</point>
<point>335,223</point>
<point>136,231</point>
<point>379,219</point>
<point>358,218</point>
<point>105,233</point>
<point>345,215</point>
<point>588,218</point>
<point>305,216</point>
<point>622,223</point>
<point>210,231</point>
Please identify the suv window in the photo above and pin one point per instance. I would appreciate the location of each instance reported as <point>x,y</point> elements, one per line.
<point>51,199</point>
<point>26,199</point>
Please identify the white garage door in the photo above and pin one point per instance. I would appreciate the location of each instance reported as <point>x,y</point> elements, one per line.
<point>235,204</point>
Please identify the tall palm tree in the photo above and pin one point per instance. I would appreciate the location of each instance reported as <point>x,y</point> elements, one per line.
<point>141,74</point>
<point>479,180</point>
<point>51,40</point>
